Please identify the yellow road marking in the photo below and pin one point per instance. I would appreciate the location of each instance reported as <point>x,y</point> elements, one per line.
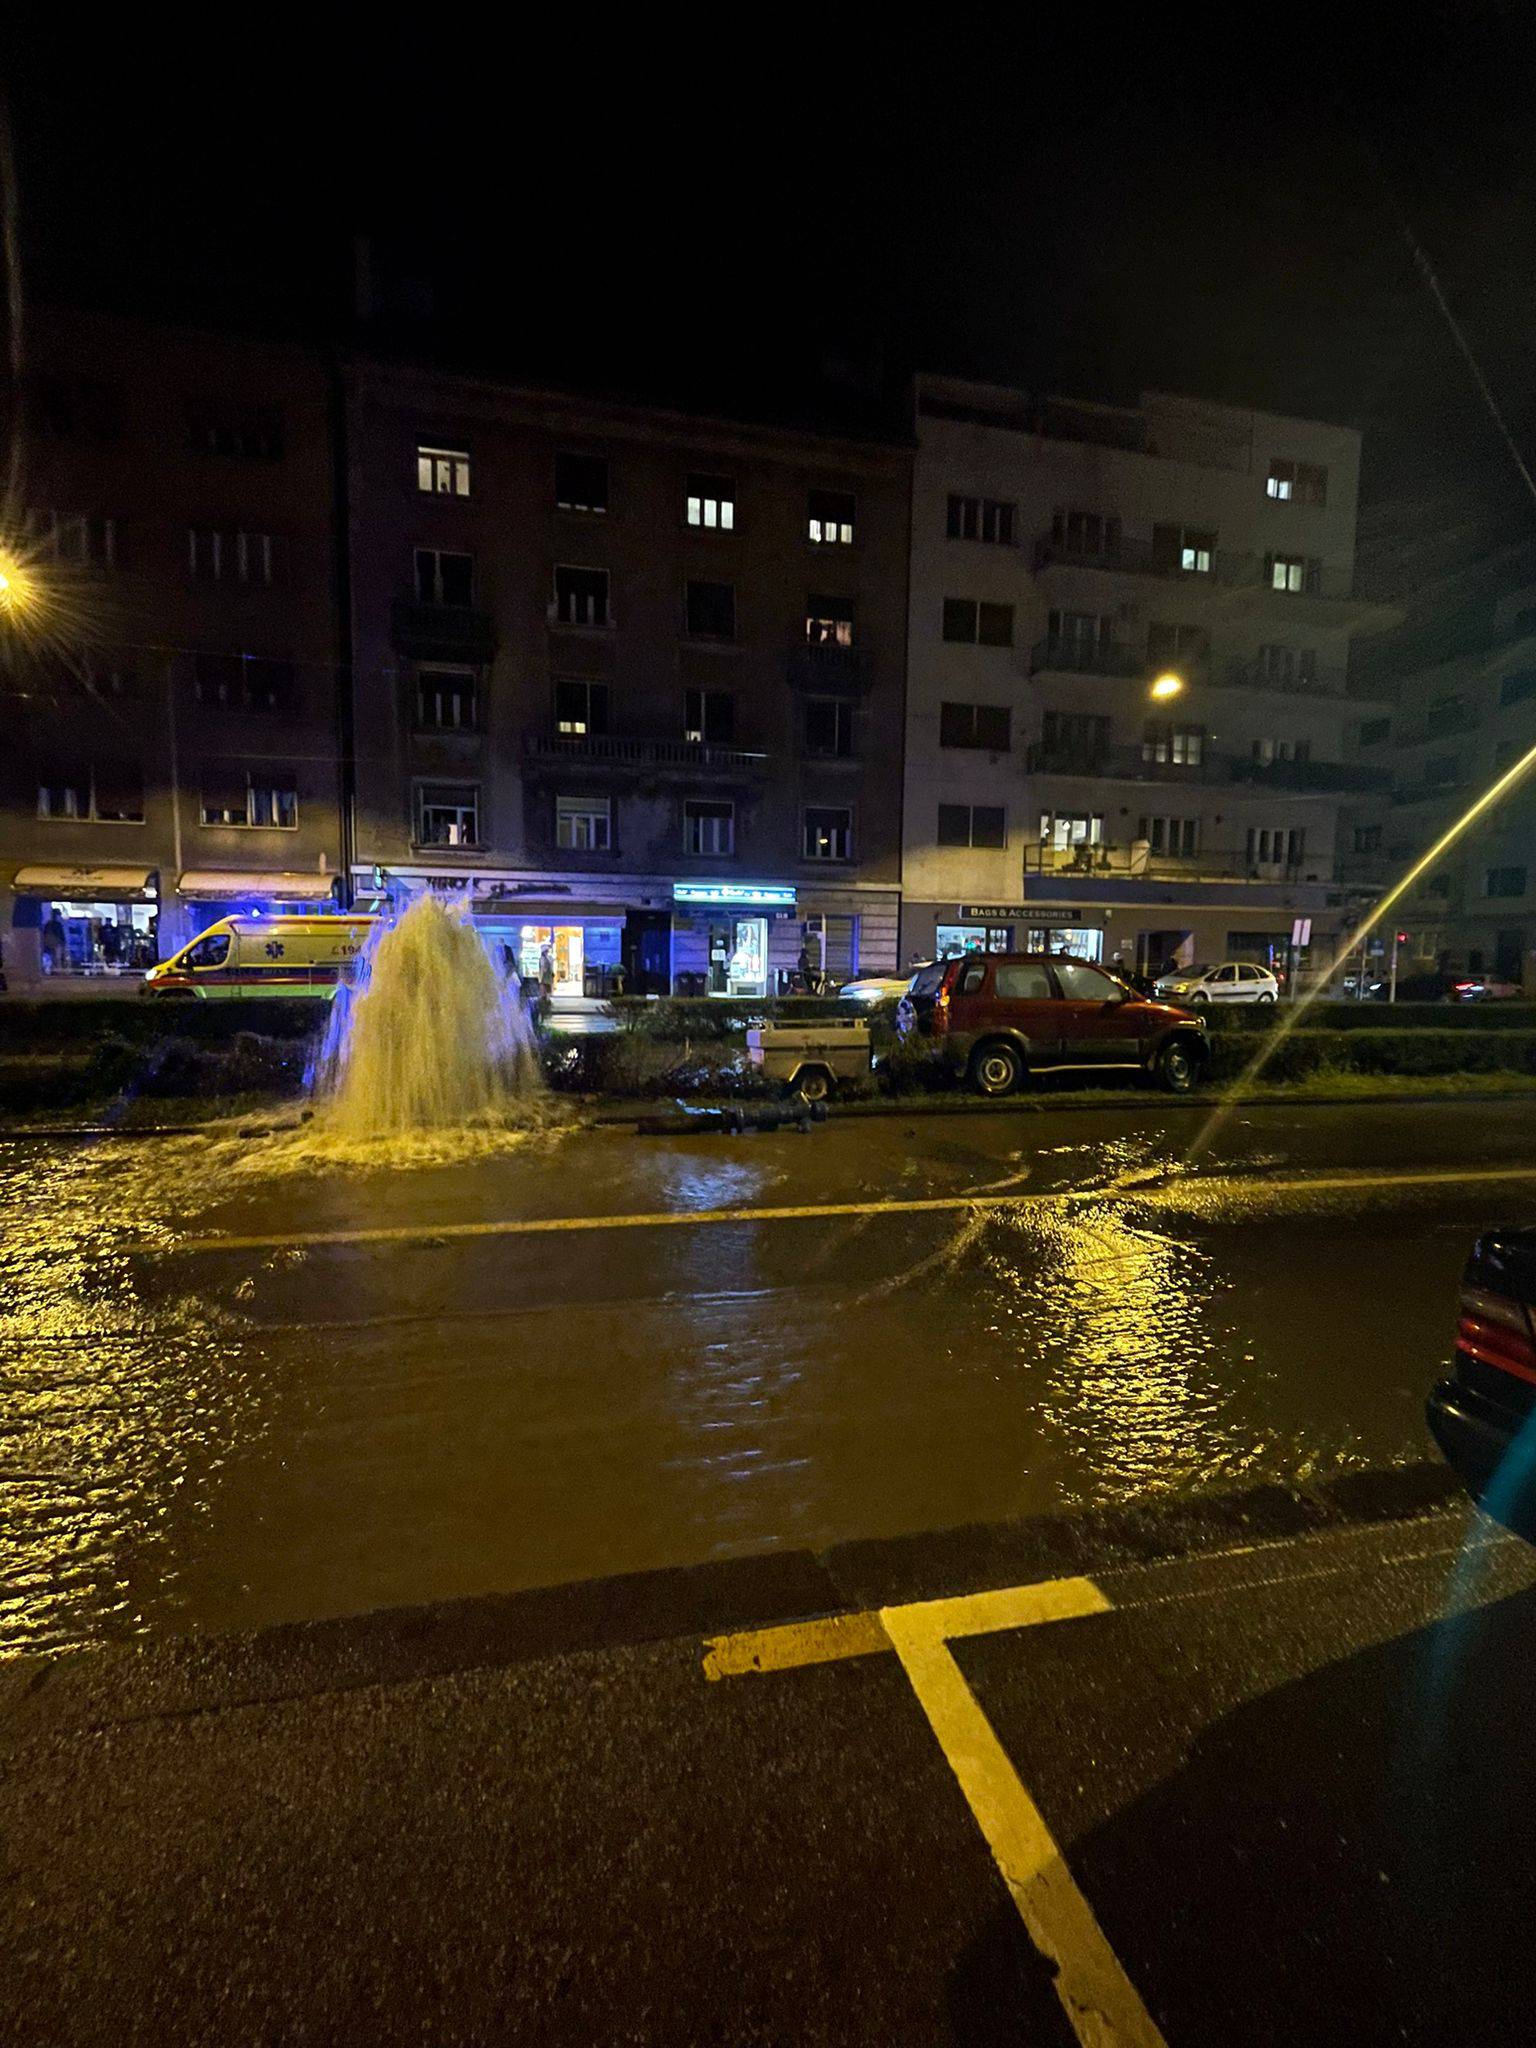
<point>801,1642</point>
<point>1171,1193</point>
<point>1096,1995</point>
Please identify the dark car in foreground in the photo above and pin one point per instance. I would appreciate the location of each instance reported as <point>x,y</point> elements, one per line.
<point>997,1017</point>
<point>1481,1416</point>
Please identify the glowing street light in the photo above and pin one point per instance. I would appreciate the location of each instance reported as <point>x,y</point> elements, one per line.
<point>1166,686</point>
<point>15,585</point>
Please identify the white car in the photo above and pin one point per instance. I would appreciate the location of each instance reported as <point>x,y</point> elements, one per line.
<point>877,988</point>
<point>1228,981</point>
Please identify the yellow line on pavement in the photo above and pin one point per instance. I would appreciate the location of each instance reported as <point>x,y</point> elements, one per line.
<point>1170,1193</point>
<point>800,1642</point>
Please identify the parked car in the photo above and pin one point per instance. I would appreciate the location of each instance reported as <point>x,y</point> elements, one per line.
<point>1482,1411</point>
<point>1487,988</point>
<point>877,988</point>
<point>1223,981</point>
<point>997,1017</point>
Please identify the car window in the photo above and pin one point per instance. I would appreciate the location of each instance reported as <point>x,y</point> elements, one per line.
<point>1228,973</point>
<point>210,952</point>
<point>926,980</point>
<point>1251,973</point>
<point>1026,983</point>
<point>1081,983</point>
<point>973,977</point>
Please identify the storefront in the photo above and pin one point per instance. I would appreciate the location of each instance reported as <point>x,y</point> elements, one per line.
<point>574,948</point>
<point>78,923</point>
<point>733,939</point>
<point>208,894</point>
<point>1018,928</point>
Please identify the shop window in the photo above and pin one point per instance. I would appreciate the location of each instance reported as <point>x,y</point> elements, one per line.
<point>447,699</point>
<point>443,472</point>
<point>710,503</point>
<point>827,834</point>
<point>447,814</point>
<point>951,940</point>
<point>581,707</point>
<point>708,827</point>
<point>709,717</point>
<point>584,824</point>
<point>829,518</point>
<point>581,597</point>
<point>710,610</point>
<point>829,621</point>
<point>444,577</point>
<point>981,825</point>
<point>581,483</point>
<point>829,727</point>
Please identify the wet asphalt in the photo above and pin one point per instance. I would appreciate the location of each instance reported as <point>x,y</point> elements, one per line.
<point>313,1424</point>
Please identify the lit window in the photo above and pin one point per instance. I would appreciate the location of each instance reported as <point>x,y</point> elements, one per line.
<point>829,520</point>
<point>1179,745</point>
<point>581,707</point>
<point>1189,549</point>
<point>711,503</point>
<point>829,621</point>
<point>1305,482</point>
<point>443,472</point>
<point>709,717</point>
<point>828,834</point>
<point>583,824</point>
<point>1291,572</point>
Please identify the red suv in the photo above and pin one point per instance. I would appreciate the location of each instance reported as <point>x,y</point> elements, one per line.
<point>996,1017</point>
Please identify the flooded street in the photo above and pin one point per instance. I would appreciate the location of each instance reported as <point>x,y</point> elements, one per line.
<point>232,1399</point>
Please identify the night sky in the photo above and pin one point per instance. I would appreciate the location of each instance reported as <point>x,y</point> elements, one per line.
<point>707,205</point>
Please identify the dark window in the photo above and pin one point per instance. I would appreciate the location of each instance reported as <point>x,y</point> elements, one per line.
<point>1171,835</point>
<point>443,578</point>
<point>1305,483</point>
<point>1506,882</point>
<point>827,834</point>
<point>708,827</point>
<point>1445,714</point>
<point>711,610</point>
<point>988,519</point>
<point>1442,771</point>
<point>1525,622</point>
<point>1367,839</point>
<point>273,805</point>
<point>1085,533</point>
<point>829,727</point>
<point>1083,734</point>
<point>975,725</point>
<point>1374,730</point>
<point>231,555</point>
<point>972,825</point>
<point>447,699</point>
<point>249,433</point>
<point>711,503</point>
<point>580,707</point>
<point>829,518</point>
<point>1506,753</point>
<point>74,409</point>
<point>584,824</point>
<point>709,716</point>
<point>1522,683</point>
<point>244,682</point>
<point>986,625</point>
<point>581,597</point>
<point>1169,641</point>
<point>581,483</point>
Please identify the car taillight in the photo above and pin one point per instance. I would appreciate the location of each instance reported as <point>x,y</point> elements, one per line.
<point>1497,1331</point>
<point>941,1009</point>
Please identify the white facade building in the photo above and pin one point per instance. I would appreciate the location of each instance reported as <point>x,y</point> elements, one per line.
<point>1063,557</point>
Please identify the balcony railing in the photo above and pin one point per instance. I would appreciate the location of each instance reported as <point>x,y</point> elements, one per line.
<point>428,629</point>
<point>609,749</point>
<point>1315,777</point>
<point>1230,568</point>
<point>1254,675</point>
<point>1134,556</point>
<point>1135,764</point>
<point>1084,658</point>
<point>824,665</point>
<point>1138,861</point>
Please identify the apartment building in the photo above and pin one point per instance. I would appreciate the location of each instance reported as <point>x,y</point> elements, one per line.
<point>628,680</point>
<point>1065,557</point>
<point>168,654</point>
<point>1454,727</point>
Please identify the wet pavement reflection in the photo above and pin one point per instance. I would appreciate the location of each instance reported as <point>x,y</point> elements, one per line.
<point>237,1437</point>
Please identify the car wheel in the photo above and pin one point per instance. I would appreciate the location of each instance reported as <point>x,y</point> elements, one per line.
<point>813,1084</point>
<point>1199,1000</point>
<point>996,1069</point>
<point>1268,996</point>
<point>1177,1067</point>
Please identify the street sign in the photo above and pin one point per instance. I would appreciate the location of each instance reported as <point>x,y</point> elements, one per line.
<point>1301,931</point>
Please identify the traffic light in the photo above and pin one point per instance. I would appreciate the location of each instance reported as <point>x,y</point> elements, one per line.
<point>1402,938</point>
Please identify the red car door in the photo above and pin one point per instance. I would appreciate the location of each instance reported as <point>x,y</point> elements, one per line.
<point>1097,1022</point>
<point>1024,999</point>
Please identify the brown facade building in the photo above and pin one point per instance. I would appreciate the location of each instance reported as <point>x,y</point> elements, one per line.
<point>168,654</point>
<point>631,680</point>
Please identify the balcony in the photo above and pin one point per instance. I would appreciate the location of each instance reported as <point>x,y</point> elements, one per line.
<point>454,631</point>
<point>1120,556</point>
<point>1121,764</point>
<point>644,757</point>
<point>1253,675</point>
<point>1314,778</point>
<point>1137,862</point>
<point>1245,588</point>
<point>827,668</point>
<point>1083,658</point>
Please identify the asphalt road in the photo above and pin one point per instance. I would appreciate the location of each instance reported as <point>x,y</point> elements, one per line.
<point>235,1396</point>
<point>1249,1774</point>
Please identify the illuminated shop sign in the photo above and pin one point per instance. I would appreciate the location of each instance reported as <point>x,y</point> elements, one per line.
<point>755,895</point>
<point>1036,915</point>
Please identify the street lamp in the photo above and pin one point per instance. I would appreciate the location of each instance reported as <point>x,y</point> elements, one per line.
<point>1166,686</point>
<point>16,589</point>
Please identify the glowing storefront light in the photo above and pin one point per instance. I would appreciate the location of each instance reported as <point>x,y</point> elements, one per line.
<point>761,895</point>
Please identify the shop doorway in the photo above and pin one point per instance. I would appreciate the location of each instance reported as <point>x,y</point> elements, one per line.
<point>648,953</point>
<point>565,946</point>
<point>96,938</point>
<point>738,957</point>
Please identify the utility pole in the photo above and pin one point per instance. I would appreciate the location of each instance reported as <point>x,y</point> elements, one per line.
<point>1397,940</point>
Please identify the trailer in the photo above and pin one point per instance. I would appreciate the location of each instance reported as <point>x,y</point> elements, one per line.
<point>810,1059</point>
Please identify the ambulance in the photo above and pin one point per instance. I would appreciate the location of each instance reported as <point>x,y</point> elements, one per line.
<point>264,957</point>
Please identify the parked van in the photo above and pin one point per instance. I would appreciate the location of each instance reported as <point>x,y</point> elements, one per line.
<point>262,956</point>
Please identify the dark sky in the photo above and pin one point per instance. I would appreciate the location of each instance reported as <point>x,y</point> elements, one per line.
<point>708,202</point>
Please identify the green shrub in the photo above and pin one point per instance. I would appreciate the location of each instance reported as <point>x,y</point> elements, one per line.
<point>1257,1017</point>
<point>679,1018</point>
<point>1383,1051</point>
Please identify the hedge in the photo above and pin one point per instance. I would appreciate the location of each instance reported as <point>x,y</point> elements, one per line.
<point>1382,1051</point>
<point>45,1026</point>
<point>682,1018</point>
<point>1250,1017</point>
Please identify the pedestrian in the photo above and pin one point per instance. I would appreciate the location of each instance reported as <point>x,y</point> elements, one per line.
<point>807,970</point>
<point>546,973</point>
<point>53,943</point>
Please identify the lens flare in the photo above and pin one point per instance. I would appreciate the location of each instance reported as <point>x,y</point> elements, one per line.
<point>1362,931</point>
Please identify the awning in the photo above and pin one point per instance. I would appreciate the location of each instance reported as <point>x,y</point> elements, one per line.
<point>221,885</point>
<point>88,885</point>
<point>547,909</point>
